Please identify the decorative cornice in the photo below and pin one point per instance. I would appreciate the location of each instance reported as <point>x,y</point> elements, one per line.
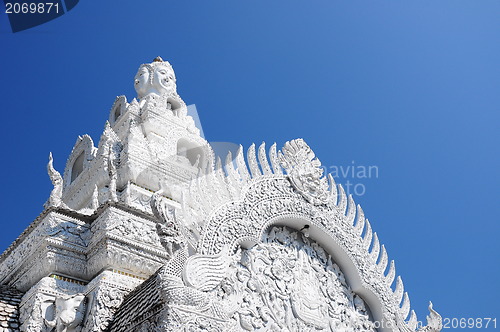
<point>59,210</point>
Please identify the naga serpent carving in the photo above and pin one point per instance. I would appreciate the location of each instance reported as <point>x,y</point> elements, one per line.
<point>185,279</point>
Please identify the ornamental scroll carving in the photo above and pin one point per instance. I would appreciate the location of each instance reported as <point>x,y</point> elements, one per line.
<point>105,301</point>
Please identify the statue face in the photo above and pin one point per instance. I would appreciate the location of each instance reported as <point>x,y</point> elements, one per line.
<point>154,78</point>
<point>163,80</point>
<point>141,81</point>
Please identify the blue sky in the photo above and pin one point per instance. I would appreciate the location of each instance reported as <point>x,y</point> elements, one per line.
<point>411,87</point>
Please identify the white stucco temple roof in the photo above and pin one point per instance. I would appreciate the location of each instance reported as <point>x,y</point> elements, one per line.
<point>150,231</point>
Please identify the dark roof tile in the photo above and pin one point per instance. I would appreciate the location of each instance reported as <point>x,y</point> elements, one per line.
<point>139,305</point>
<point>9,308</point>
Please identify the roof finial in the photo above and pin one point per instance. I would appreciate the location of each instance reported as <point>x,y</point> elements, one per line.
<point>158,59</point>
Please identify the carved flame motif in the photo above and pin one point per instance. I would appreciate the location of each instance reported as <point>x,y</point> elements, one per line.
<point>55,199</point>
<point>307,302</point>
<point>304,171</point>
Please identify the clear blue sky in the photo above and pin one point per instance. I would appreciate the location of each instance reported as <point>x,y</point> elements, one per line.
<point>411,87</point>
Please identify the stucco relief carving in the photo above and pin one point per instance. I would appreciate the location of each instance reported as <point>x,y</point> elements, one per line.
<point>229,263</point>
<point>289,283</point>
<point>31,313</point>
<point>66,232</point>
<point>187,278</point>
<point>52,305</point>
<point>301,198</point>
<point>112,195</point>
<point>304,171</point>
<point>139,261</point>
<point>286,282</point>
<point>67,313</point>
<point>124,241</point>
<point>140,199</point>
<point>134,230</point>
<point>105,301</point>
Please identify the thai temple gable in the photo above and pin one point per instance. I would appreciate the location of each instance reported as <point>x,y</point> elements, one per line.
<point>149,231</point>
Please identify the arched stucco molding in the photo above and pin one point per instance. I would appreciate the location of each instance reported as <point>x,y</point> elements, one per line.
<point>119,108</point>
<point>271,202</point>
<point>84,148</point>
<point>303,197</point>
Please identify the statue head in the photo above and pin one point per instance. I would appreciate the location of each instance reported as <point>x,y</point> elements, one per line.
<point>157,77</point>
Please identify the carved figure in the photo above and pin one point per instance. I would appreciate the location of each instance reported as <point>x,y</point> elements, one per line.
<point>307,302</point>
<point>157,78</point>
<point>68,314</point>
<point>288,283</point>
<point>141,80</point>
<point>167,227</point>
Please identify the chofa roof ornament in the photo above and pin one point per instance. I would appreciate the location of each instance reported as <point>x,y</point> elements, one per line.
<point>304,171</point>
